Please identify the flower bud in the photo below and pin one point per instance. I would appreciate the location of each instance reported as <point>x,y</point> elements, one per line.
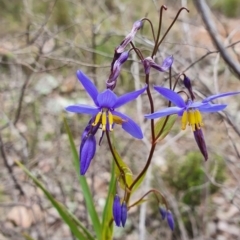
<point>188,85</point>
<point>136,26</point>
<point>115,72</point>
<point>124,213</point>
<point>199,138</point>
<point>163,212</point>
<point>117,210</point>
<point>149,62</point>
<point>170,220</point>
<point>87,152</point>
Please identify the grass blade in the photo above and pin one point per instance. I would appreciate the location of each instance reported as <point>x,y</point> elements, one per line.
<point>61,210</point>
<point>85,189</point>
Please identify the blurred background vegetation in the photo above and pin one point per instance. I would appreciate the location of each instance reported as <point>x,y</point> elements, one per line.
<point>42,44</point>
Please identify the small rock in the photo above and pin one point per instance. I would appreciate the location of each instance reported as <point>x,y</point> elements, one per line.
<point>211,228</point>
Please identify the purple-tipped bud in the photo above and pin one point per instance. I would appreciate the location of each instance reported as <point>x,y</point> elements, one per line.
<point>111,82</point>
<point>136,26</point>
<point>170,220</point>
<point>124,213</point>
<point>163,212</point>
<point>188,85</point>
<point>87,152</point>
<point>148,63</point>
<point>199,138</point>
<point>117,210</point>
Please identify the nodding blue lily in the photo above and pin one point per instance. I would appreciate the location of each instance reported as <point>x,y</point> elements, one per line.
<point>190,111</point>
<point>104,112</point>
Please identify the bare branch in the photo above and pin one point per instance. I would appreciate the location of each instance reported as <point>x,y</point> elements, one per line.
<point>205,12</point>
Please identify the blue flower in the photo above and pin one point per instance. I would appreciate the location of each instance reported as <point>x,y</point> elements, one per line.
<point>104,112</point>
<point>117,210</point>
<point>189,111</point>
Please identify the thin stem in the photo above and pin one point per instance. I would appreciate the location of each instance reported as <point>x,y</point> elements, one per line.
<point>145,167</point>
<point>156,192</point>
<point>137,51</point>
<point>159,30</point>
<point>174,20</point>
<point>170,78</point>
<point>122,174</point>
<point>154,38</point>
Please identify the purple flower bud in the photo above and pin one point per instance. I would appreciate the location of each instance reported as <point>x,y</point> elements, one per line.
<point>163,212</point>
<point>199,138</point>
<point>111,82</point>
<point>124,213</point>
<point>87,152</point>
<point>188,85</point>
<point>148,63</point>
<point>136,26</point>
<point>117,210</point>
<point>170,220</point>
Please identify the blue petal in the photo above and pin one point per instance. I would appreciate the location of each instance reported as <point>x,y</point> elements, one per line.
<point>88,85</point>
<point>107,99</point>
<point>164,112</point>
<point>212,107</point>
<point>196,104</point>
<point>81,108</point>
<point>128,97</point>
<point>171,96</point>
<point>129,125</point>
<point>219,96</point>
<point>87,152</point>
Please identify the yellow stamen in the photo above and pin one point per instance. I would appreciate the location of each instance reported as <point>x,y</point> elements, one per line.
<point>104,121</point>
<point>192,119</point>
<point>110,121</point>
<point>184,120</point>
<point>97,118</point>
<point>198,117</point>
<point>118,120</point>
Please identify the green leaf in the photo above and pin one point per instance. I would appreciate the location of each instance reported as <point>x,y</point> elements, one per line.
<point>107,230</point>
<point>85,188</point>
<point>61,209</point>
<point>126,170</point>
<point>167,128</point>
<point>138,183</point>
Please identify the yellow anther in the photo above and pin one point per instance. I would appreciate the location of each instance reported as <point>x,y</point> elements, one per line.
<point>192,119</point>
<point>198,117</point>
<point>118,120</point>
<point>110,121</point>
<point>184,120</point>
<point>97,118</point>
<point>104,121</point>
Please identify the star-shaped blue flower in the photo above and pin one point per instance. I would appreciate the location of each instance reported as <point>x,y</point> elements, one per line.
<point>189,111</point>
<point>104,112</point>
